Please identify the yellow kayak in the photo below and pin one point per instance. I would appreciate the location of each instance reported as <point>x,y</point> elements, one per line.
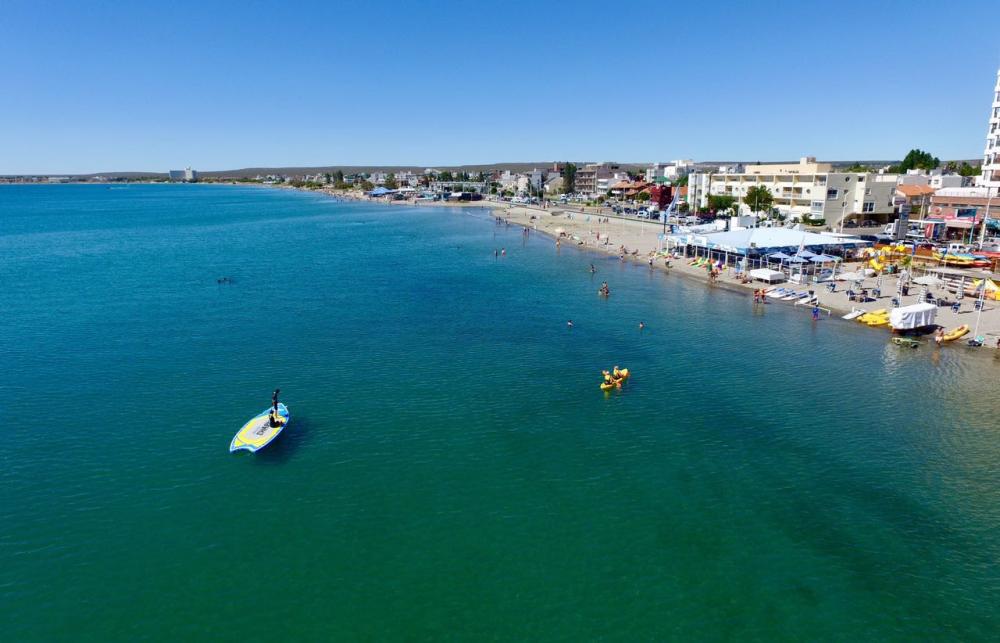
<point>875,314</point>
<point>955,333</point>
<point>257,433</point>
<point>623,375</point>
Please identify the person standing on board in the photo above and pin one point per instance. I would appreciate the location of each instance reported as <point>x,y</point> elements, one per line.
<point>274,400</point>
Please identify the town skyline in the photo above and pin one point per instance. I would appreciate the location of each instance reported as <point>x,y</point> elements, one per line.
<point>161,87</point>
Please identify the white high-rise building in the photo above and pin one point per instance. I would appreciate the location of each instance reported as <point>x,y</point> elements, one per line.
<point>990,177</point>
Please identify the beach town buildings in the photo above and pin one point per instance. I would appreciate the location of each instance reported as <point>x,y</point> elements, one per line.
<point>918,197</point>
<point>588,177</point>
<point>669,171</point>
<point>965,208</point>
<point>813,192</point>
<point>187,175</point>
<point>935,179</point>
<point>990,176</point>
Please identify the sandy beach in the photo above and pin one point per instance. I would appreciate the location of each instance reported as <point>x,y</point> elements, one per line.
<point>641,242</point>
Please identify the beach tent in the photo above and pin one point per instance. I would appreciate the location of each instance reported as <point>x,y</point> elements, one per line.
<point>929,280</point>
<point>768,275</point>
<point>910,317</point>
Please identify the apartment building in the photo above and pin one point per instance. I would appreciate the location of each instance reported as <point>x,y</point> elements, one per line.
<point>990,177</point>
<point>587,177</point>
<point>812,192</point>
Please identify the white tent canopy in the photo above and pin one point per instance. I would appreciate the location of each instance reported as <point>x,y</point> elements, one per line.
<point>915,316</point>
<point>765,240</point>
<point>929,280</point>
<point>764,274</point>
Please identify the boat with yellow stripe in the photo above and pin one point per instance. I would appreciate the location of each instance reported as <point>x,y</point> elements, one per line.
<point>258,432</point>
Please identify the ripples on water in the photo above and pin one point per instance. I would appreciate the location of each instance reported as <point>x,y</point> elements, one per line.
<point>452,469</point>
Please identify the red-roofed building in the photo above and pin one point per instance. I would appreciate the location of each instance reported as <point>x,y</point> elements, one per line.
<point>918,197</point>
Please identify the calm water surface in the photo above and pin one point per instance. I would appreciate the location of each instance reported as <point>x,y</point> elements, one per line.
<point>452,470</point>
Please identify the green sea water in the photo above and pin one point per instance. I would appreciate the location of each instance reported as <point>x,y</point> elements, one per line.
<point>451,470</point>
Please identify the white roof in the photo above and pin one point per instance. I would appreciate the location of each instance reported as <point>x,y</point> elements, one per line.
<point>764,239</point>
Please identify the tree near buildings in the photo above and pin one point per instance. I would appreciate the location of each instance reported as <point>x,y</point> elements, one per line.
<point>759,198</point>
<point>916,159</point>
<point>445,176</point>
<point>720,202</point>
<point>569,178</point>
<point>969,170</point>
<point>390,182</point>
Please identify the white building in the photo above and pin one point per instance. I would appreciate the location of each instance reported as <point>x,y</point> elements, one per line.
<point>990,177</point>
<point>187,174</point>
<point>935,179</point>
<point>811,191</point>
<point>536,178</point>
<point>698,190</point>
<point>670,171</point>
<point>508,180</point>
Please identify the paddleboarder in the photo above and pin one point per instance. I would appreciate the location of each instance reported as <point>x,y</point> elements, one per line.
<point>274,400</point>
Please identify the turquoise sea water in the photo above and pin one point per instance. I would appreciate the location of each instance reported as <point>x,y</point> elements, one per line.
<point>452,470</point>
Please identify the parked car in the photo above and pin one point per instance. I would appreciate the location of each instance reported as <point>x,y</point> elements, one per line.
<point>851,224</point>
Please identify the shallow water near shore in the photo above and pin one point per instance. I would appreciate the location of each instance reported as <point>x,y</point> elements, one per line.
<point>452,469</point>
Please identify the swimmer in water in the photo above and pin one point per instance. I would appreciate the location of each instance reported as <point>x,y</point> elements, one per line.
<point>569,324</point>
<point>642,325</point>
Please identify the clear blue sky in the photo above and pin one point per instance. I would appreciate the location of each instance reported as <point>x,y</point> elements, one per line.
<point>105,86</point>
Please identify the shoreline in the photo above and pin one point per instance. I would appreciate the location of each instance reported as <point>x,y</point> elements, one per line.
<point>641,241</point>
